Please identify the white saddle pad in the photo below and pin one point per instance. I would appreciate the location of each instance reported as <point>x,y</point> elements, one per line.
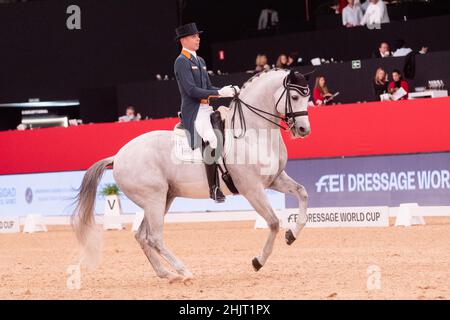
<point>183,152</point>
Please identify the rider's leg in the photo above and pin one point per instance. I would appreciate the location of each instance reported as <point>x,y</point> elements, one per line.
<point>211,173</point>
<point>217,126</point>
<point>205,130</point>
<point>204,127</point>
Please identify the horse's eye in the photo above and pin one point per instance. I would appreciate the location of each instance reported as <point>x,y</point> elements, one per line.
<point>295,98</point>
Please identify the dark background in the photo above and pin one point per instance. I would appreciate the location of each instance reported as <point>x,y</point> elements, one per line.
<point>354,85</point>
<point>340,44</point>
<point>112,61</point>
<point>237,20</point>
<point>119,41</point>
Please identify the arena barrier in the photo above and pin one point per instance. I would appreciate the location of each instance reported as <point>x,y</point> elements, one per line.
<point>347,161</point>
<point>377,128</point>
<point>317,218</point>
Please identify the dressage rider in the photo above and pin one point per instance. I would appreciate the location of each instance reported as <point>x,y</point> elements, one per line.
<point>196,90</point>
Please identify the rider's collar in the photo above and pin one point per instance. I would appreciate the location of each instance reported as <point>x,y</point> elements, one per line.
<point>188,53</point>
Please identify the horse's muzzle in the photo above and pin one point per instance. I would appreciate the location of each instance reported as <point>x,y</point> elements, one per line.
<point>300,132</point>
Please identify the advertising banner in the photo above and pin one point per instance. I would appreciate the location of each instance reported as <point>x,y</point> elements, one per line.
<point>373,181</point>
<point>54,194</point>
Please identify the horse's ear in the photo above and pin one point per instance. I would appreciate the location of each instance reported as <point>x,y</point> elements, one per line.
<point>291,76</point>
<point>308,75</point>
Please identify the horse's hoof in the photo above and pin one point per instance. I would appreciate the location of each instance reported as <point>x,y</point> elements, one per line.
<point>256,264</point>
<point>289,237</point>
<point>188,281</point>
<point>175,278</point>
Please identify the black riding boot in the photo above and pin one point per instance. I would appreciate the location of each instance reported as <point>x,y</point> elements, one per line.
<point>213,177</point>
<point>213,181</point>
<point>217,124</point>
<point>210,159</point>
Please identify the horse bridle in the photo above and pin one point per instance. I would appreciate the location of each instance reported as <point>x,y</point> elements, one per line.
<point>289,114</point>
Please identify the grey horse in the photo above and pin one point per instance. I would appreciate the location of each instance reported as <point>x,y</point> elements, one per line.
<point>146,172</point>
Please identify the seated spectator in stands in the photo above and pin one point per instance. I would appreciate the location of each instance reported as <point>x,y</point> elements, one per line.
<point>402,50</point>
<point>130,115</point>
<point>293,60</point>
<point>397,83</point>
<point>383,51</point>
<point>351,15</point>
<point>321,94</point>
<point>380,83</point>
<point>376,13</point>
<point>22,127</point>
<point>423,50</point>
<point>268,19</point>
<point>282,61</point>
<point>261,63</point>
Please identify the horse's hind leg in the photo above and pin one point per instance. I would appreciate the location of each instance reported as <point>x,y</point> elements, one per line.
<point>141,237</point>
<point>155,220</point>
<point>261,204</point>
<point>169,201</point>
<point>284,183</point>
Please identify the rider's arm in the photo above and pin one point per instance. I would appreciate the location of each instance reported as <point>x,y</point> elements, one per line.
<point>184,75</point>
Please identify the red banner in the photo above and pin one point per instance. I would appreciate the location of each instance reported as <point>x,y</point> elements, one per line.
<point>343,130</point>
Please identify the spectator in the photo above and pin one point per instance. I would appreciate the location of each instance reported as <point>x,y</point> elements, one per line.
<point>363,5</point>
<point>402,50</point>
<point>383,51</point>
<point>282,61</point>
<point>380,83</point>
<point>376,13</point>
<point>22,127</point>
<point>261,63</point>
<point>268,19</point>
<point>294,60</point>
<point>130,115</point>
<point>321,94</point>
<point>423,50</point>
<point>397,83</point>
<point>351,15</point>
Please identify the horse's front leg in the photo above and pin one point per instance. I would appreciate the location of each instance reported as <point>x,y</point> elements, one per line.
<point>284,183</point>
<point>258,200</point>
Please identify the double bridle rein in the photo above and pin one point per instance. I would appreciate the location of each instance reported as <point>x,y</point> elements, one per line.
<point>289,114</point>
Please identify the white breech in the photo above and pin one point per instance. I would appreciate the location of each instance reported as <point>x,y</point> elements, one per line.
<point>203,125</point>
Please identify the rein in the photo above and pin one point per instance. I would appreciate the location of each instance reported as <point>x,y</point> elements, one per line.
<point>289,115</point>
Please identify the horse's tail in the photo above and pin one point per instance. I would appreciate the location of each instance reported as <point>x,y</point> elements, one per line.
<point>83,221</point>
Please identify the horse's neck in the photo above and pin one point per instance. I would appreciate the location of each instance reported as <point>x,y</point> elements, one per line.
<point>259,95</point>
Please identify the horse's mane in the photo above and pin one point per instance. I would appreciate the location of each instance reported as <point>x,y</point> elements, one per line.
<point>259,74</point>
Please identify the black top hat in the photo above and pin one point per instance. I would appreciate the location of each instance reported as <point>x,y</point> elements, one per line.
<point>186,30</point>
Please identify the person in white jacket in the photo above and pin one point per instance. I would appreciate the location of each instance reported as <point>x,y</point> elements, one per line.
<point>352,14</point>
<point>268,19</point>
<point>376,13</point>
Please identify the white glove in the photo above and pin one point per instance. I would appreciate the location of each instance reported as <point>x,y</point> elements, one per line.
<point>227,92</point>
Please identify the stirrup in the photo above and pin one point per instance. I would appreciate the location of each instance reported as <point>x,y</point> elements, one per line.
<point>217,195</point>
